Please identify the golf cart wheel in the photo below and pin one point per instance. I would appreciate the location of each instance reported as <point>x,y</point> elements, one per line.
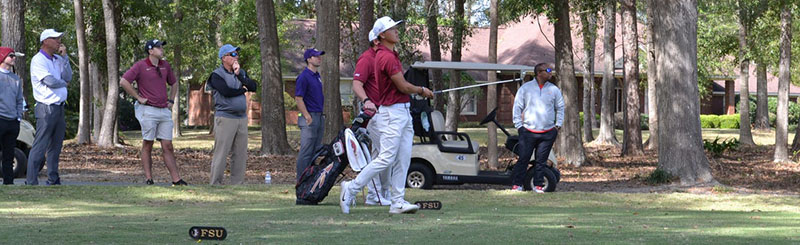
<point>20,163</point>
<point>420,176</point>
<point>556,172</point>
<point>550,180</point>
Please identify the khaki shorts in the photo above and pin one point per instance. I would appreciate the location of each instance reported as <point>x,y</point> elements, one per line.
<point>156,122</point>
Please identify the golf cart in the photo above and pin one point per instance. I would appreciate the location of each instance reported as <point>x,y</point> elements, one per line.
<point>446,158</point>
<point>24,143</point>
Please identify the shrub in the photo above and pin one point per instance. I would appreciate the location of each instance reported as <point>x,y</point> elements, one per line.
<point>729,121</point>
<point>659,176</point>
<point>717,148</point>
<point>709,121</point>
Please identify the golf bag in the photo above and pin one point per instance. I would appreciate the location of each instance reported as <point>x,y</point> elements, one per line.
<point>329,162</point>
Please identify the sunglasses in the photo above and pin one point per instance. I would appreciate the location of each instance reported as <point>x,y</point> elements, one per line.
<point>12,56</point>
<point>548,70</point>
<point>233,54</point>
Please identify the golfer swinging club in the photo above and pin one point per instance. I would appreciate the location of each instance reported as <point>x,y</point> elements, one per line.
<point>394,123</point>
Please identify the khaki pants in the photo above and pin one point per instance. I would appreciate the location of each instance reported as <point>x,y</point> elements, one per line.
<point>230,136</point>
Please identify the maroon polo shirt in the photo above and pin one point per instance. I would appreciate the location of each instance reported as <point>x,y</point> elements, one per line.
<point>151,85</point>
<point>365,68</point>
<point>387,63</point>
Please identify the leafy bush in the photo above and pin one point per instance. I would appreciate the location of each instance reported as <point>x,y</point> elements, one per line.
<point>289,103</point>
<point>596,117</point>
<point>772,109</point>
<point>659,176</point>
<point>729,121</point>
<point>717,148</point>
<point>709,121</point>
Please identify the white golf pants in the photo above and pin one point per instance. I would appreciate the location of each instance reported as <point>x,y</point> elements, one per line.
<point>378,188</point>
<point>396,138</point>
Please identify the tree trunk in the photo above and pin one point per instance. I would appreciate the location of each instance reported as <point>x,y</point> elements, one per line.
<point>762,110</point>
<point>366,18</point>
<point>681,144</point>
<point>177,63</point>
<point>84,130</point>
<point>13,36</point>
<point>652,94</point>
<point>491,91</point>
<point>784,78</point>
<point>570,146</point>
<point>98,98</point>
<point>107,131</point>
<point>454,98</point>
<point>273,121</point>
<point>606,135</point>
<point>745,136</point>
<point>328,40</point>
<point>632,134</point>
<point>589,30</point>
<point>431,15</point>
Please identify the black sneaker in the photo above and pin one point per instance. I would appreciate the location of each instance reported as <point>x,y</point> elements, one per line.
<point>149,182</point>
<point>180,182</point>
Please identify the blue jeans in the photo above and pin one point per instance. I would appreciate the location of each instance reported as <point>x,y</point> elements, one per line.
<point>529,142</point>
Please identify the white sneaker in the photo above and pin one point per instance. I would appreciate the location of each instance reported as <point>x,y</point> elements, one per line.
<point>345,198</point>
<point>374,202</point>
<point>403,208</point>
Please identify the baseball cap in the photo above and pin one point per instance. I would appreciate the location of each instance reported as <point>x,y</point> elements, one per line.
<point>383,24</point>
<point>372,36</point>
<point>311,53</point>
<point>5,51</point>
<point>154,43</point>
<point>225,49</point>
<point>48,34</point>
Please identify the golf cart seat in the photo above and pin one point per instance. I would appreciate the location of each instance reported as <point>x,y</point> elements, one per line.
<point>459,142</point>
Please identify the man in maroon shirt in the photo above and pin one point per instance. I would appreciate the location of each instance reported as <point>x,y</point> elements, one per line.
<point>152,74</point>
<point>366,89</point>
<point>394,124</point>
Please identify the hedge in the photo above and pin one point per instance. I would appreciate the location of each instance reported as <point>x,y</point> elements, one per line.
<point>729,121</point>
<point>709,121</point>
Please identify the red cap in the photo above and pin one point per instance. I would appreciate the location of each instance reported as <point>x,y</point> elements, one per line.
<point>5,51</point>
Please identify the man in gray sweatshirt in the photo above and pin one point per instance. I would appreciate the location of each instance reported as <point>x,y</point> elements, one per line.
<point>228,84</point>
<point>538,116</point>
<point>11,106</point>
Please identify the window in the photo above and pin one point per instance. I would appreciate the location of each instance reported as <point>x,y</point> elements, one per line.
<point>469,105</point>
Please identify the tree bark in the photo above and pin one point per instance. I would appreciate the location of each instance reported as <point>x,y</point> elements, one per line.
<point>328,40</point>
<point>491,91</point>
<point>745,136</point>
<point>177,68</point>
<point>107,131</point>
<point>632,134</point>
<point>589,30</point>
<point>84,130</point>
<point>570,146</point>
<point>652,94</point>
<point>98,98</point>
<point>13,36</point>
<point>431,15</point>
<point>762,107</point>
<point>784,78</point>
<point>681,144</point>
<point>366,18</point>
<point>273,121</point>
<point>454,98</point>
<point>606,135</point>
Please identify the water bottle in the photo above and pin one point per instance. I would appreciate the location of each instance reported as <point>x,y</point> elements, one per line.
<point>267,178</point>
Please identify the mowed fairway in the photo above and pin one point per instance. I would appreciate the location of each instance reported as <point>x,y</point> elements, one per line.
<point>267,214</point>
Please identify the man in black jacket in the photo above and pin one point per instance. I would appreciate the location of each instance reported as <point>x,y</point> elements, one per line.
<point>228,84</point>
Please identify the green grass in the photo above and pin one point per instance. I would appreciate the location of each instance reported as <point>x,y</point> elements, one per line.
<point>259,214</point>
<point>200,139</point>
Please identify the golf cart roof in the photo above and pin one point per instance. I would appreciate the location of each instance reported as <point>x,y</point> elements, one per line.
<point>471,66</point>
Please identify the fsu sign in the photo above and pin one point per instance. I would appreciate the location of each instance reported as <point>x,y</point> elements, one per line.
<point>208,233</point>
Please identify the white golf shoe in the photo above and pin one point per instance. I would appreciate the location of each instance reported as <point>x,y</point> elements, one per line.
<point>403,208</point>
<point>345,198</point>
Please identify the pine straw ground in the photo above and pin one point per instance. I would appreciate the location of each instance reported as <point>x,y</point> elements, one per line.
<point>747,170</point>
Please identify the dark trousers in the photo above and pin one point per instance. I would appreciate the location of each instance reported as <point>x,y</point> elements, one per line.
<point>50,128</point>
<point>310,140</point>
<point>529,142</point>
<point>9,129</point>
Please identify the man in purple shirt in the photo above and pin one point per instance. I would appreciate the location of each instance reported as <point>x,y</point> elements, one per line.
<point>152,74</point>
<point>309,97</point>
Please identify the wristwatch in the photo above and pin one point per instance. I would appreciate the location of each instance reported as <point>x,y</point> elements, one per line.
<point>171,101</point>
<point>365,100</point>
